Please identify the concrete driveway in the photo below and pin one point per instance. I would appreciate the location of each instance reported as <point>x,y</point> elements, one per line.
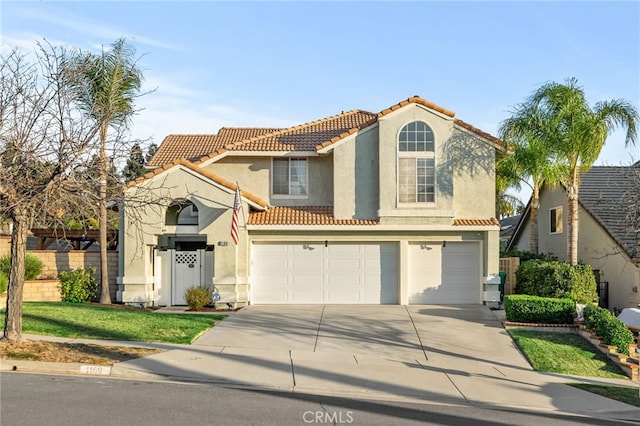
<point>444,354</point>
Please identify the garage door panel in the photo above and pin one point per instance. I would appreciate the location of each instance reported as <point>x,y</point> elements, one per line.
<point>333,273</point>
<point>441,274</point>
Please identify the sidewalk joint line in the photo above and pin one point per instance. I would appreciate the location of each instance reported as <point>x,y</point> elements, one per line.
<point>417,334</point>
<point>318,330</point>
<point>455,386</point>
<point>293,373</point>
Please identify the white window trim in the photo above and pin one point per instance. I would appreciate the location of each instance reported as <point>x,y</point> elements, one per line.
<point>416,155</point>
<point>288,196</point>
<point>561,220</point>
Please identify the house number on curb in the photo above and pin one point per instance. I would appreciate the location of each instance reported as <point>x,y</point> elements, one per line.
<point>98,370</point>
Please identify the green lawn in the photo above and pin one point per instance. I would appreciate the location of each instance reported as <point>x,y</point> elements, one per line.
<point>564,353</point>
<point>111,322</point>
<point>628,395</point>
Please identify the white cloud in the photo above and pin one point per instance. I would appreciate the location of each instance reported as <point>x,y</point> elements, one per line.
<point>87,26</point>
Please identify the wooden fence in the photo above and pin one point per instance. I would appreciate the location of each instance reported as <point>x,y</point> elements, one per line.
<point>509,265</point>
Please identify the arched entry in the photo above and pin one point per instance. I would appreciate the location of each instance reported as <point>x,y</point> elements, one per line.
<point>185,252</point>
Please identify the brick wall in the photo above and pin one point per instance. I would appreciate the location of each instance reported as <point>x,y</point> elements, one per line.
<point>41,291</point>
<point>55,262</point>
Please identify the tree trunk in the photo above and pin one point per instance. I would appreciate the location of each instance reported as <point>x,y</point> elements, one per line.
<point>13,314</point>
<point>105,296</point>
<point>533,230</point>
<point>572,220</point>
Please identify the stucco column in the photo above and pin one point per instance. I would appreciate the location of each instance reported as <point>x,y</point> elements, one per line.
<point>403,272</point>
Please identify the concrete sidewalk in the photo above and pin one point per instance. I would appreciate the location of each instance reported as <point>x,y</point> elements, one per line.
<point>427,354</point>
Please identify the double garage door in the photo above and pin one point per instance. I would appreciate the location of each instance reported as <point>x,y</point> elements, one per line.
<point>364,273</point>
<point>332,272</point>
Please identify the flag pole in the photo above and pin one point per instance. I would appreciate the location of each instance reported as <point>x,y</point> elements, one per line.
<point>244,217</point>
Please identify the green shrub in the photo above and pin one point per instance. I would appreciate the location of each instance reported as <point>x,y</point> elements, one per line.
<point>197,297</point>
<point>527,255</point>
<point>609,328</point>
<point>32,266</point>
<point>557,279</point>
<point>535,309</point>
<point>4,282</point>
<point>78,286</point>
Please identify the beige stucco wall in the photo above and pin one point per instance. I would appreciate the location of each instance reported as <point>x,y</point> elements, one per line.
<point>254,176</point>
<point>464,171</point>
<point>137,281</point>
<point>356,173</point>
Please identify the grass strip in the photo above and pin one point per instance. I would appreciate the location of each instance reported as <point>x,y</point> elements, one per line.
<point>564,353</point>
<point>111,322</point>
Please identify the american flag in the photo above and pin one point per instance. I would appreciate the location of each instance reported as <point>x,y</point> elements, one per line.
<point>234,221</point>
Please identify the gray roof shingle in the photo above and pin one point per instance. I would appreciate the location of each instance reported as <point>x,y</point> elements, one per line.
<point>608,193</point>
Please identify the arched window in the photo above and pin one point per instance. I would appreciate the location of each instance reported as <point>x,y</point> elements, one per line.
<point>182,212</point>
<point>416,164</point>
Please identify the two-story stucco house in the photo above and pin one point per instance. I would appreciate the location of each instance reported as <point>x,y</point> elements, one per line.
<point>395,207</point>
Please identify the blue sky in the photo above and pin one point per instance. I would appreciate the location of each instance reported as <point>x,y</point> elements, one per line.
<point>217,64</point>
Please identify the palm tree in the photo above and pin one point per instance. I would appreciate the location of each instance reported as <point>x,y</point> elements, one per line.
<point>109,86</point>
<point>530,158</point>
<point>576,133</point>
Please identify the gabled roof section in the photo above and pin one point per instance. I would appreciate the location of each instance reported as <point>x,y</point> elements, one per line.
<point>413,100</point>
<point>308,215</point>
<point>192,147</point>
<point>217,179</point>
<point>608,194</point>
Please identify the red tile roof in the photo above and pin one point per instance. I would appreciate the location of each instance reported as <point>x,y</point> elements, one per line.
<point>476,222</point>
<point>308,215</point>
<point>192,147</point>
<point>203,172</point>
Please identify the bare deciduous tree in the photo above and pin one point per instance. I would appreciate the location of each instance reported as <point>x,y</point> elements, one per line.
<point>45,145</point>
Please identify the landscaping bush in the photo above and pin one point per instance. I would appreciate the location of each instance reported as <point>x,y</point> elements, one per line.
<point>197,297</point>
<point>557,279</point>
<point>609,328</point>
<point>4,282</point>
<point>78,286</point>
<point>32,266</point>
<point>527,255</point>
<point>535,309</point>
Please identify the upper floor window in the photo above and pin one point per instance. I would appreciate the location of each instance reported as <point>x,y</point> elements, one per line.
<point>416,164</point>
<point>416,137</point>
<point>555,220</point>
<point>290,177</point>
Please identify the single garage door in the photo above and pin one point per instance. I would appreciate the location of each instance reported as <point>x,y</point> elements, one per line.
<point>444,273</point>
<point>340,273</point>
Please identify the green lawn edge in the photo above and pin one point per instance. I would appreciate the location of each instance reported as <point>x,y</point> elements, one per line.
<point>112,322</point>
<point>564,353</point>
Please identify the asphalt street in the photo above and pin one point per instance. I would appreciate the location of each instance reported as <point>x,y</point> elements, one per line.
<point>33,400</point>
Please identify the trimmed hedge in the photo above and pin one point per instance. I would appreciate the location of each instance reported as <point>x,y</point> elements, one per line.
<point>197,297</point>
<point>609,328</point>
<point>557,279</point>
<point>78,286</point>
<point>535,309</point>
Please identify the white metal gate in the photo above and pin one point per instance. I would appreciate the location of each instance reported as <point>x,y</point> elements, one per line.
<point>187,272</point>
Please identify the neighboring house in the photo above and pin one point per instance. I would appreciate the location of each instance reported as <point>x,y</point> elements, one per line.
<point>395,207</point>
<point>607,238</point>
<point>507,228</point>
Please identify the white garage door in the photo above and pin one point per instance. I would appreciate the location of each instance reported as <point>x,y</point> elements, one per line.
<point>347,273</point>
<point>444,273</point>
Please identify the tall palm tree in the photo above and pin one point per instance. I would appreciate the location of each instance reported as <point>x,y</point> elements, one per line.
<point>531,158</point>
<point>110,84</point>
<point>576,133</point>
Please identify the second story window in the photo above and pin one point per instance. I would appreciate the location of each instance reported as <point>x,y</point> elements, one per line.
<point>555,220</point>
<point>289,177</point>
<point>416,164</point>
